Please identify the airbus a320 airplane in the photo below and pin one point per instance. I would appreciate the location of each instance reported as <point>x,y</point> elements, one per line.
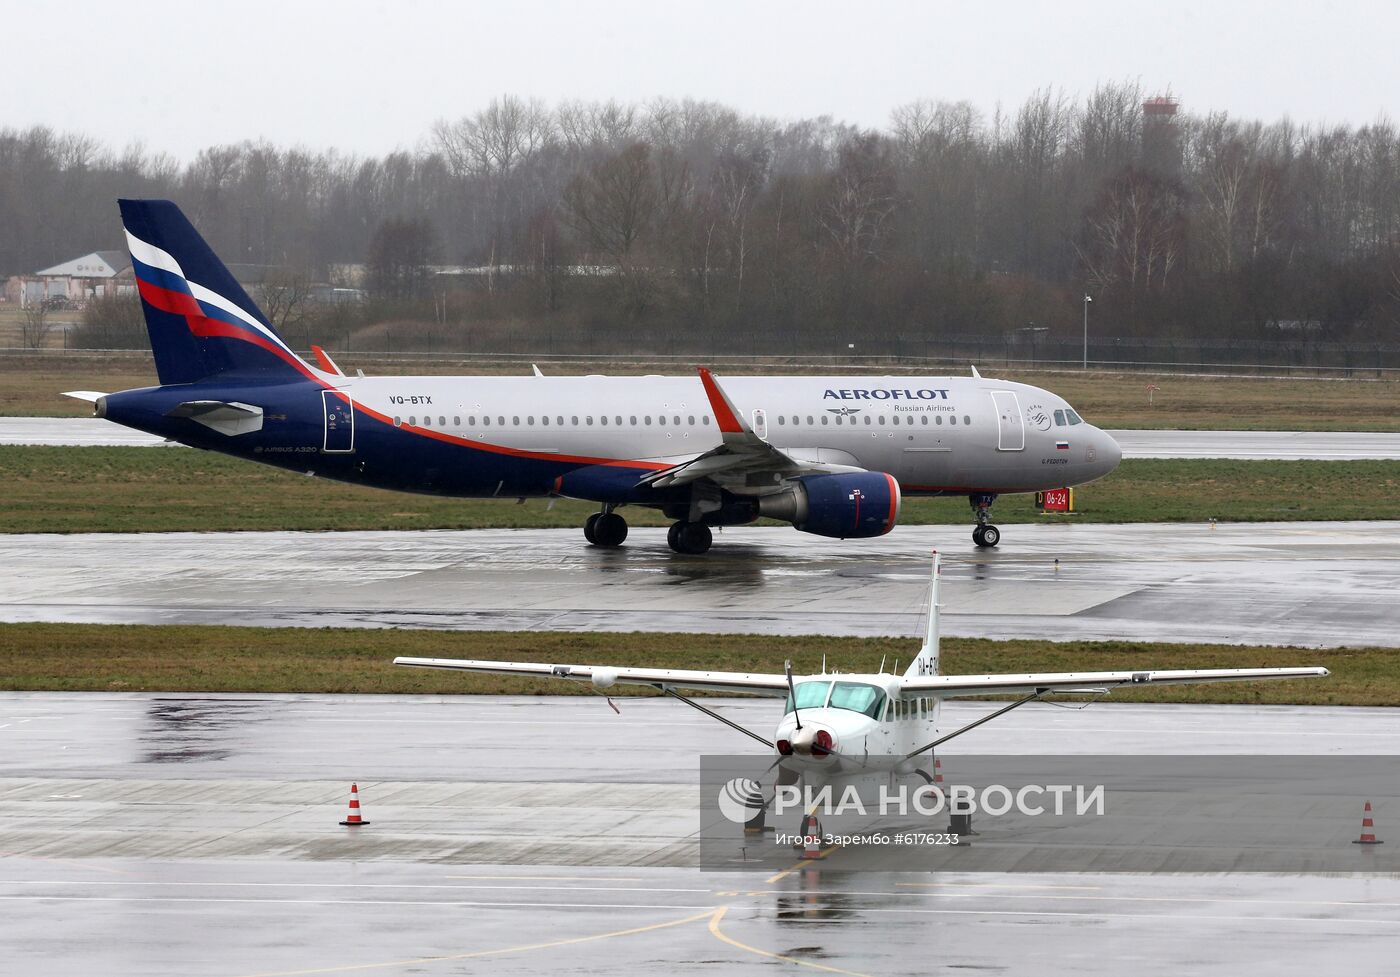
<point>830,455</point>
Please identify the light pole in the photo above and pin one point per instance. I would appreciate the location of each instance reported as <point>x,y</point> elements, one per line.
<point>1087,299</point>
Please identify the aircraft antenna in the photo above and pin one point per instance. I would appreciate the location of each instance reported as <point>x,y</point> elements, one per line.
<point>882,665</point>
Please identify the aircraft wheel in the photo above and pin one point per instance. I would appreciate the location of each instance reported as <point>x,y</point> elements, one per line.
<point>690,538</point>
<point>986,536</point>
<point>589,525</point>
<point>609,531</point>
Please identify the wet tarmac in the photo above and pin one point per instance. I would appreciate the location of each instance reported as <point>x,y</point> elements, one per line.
<point>192,835</point>
<point>1313,584</point>
<point>1246,445</point>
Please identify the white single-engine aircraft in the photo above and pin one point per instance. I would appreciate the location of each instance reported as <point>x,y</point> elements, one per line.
<point>837,725</point>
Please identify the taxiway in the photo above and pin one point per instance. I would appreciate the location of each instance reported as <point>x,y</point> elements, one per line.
<point>1314,584</point>
<point>186,834</point>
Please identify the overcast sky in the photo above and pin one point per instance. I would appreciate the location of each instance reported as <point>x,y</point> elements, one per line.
<point>369,77</point>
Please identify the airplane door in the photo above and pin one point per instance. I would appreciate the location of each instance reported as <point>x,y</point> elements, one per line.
<point>760,423</point>
<point>1011,427</point>
<point>339,412</point>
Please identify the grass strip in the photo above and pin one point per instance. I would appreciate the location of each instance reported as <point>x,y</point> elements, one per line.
<point>75,490</point>
<point>186,658</point>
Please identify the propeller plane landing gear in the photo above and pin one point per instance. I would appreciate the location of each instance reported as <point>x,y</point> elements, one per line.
<point>606,529</point>
<point>985,535</point>
<point>689,538</point>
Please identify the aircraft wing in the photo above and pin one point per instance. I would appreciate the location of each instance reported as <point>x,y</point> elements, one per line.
<point>741,452</point>
<point>605,676</point>
<point>956,685</point>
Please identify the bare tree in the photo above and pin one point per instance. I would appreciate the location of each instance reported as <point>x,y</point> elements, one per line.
<point>35,325</point>
<point>285,296</point>
<point>399,252</point>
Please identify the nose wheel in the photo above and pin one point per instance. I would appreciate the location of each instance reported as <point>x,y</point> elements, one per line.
<point>986,536</point>
<point>689,538</point>
<point>605,529</point>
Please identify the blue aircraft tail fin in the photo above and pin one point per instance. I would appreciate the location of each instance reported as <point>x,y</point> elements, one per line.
<point>200,320</point>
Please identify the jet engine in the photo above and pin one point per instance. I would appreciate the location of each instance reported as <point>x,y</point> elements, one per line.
<point>844,506</point>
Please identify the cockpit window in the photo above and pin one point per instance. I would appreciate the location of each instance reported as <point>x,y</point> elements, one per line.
<point>1059,418</point>
<point>857,697</point>
<point>1073,417</point>
<point>810,695</point>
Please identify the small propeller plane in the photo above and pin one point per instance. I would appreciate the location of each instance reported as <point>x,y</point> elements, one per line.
<point>837,725</point>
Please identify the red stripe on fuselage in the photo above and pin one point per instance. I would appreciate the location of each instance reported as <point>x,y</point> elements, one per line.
<point>500,449</point>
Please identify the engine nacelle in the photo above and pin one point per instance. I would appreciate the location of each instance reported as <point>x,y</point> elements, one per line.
<point>845,506</point>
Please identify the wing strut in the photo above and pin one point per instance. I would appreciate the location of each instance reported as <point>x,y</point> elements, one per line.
<point>978,722</point>
<point>714,715</point>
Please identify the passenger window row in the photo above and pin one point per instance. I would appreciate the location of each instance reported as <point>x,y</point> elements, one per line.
<point>879,419</point>
<point>674,420</point>
<point>921,708</point>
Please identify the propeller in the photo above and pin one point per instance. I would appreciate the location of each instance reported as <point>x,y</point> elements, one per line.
<point>792,692</point>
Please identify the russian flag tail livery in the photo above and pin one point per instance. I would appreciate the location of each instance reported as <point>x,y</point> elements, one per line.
<point>200,320</point>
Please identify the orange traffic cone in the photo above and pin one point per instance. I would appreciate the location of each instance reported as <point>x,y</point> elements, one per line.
<point>1368,830</point>
<point>811,837</point>
<point>354,818</point>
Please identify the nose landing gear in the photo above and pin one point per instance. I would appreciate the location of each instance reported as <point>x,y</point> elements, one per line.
<point>985,535</point>
<point>606,529</point>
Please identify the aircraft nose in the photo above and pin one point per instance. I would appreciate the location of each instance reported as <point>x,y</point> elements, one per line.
<point>1109,452</point>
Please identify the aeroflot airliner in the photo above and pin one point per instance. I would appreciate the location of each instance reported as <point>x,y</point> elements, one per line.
<point>830,455</point>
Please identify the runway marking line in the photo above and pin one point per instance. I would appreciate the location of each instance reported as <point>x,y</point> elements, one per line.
<point>997,885</point>
<point>720,935</point>
<point>800,865</point>
<point>349,885</point>
<point>572,941</point>
<point>707,914</point>
<point>549,878</point>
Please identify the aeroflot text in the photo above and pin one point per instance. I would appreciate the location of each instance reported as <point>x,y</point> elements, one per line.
<point>906,394</point>
<point>995,800</point>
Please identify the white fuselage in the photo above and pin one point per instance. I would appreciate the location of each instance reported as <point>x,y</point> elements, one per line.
<point>933,434</point>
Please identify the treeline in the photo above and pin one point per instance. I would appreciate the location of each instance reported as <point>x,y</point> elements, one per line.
<point>673,226</point>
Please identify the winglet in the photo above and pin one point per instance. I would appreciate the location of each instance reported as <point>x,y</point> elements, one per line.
<point>726,416</point>
<point>325,361</point>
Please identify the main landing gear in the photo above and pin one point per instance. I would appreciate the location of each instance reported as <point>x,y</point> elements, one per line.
<point>985,535</point>
<point>690,538</point>
<point>606,529</point>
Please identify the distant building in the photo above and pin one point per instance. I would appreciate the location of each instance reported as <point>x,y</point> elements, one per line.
<point>76,282</point>
<point>1161,136</point>
<point>103,274</point>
